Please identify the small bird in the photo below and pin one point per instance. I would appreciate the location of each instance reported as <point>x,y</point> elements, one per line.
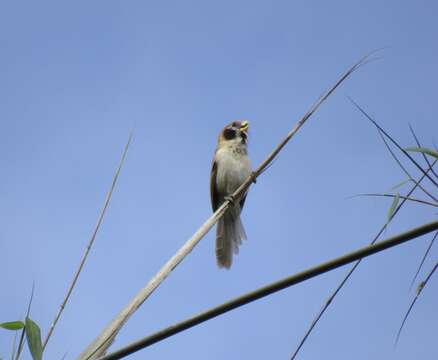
<point>231,167</point>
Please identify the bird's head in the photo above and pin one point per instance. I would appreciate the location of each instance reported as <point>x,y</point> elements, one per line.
<point>236,132</point>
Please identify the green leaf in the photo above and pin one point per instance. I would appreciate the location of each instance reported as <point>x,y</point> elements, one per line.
<point>12,325</point>
<point>393,206</point>
<point>400,184</point>
<point>424,151</point>
<point>33,335</point>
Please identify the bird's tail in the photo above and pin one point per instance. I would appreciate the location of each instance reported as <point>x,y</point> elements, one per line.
<point>229,235</point>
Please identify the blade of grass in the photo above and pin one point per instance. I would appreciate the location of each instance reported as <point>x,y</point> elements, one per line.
<point>393,206</point>
<point>400,184</point>
<point>12,325</point>
<point>33,336</point>
<point>423,151</point>
<point>90,243</point>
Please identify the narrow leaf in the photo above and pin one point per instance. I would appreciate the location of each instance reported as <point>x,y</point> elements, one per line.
<point>393,206</point>
<point>33,335</point>
<point>424,151</point>
<point>401,184</point>
<point>12,325</point>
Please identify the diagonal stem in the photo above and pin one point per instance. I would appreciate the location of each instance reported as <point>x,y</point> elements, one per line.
<point>90,244</point>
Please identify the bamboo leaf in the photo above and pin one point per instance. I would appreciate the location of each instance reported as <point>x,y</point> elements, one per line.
<point>33,335</point>
<point>393,206</point>
<point>401,184</point>
<point>424,151</point>
<point>12,325</point>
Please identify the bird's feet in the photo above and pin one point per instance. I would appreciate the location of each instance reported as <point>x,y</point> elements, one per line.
<point>230,198</point>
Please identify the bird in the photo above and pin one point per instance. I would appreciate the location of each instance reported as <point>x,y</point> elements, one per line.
<point>230,168</point>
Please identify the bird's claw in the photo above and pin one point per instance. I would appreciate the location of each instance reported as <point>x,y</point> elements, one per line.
<point>254,180</point>
<point>230,198</point>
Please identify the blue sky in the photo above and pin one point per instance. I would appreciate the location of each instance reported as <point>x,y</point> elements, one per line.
<point>77,77</point>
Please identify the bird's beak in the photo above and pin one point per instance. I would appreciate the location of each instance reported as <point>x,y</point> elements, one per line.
<point>244,126</point>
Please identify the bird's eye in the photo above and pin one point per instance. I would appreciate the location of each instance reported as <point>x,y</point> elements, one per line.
<point>229,134</point>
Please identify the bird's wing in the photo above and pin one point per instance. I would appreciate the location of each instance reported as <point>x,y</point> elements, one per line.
<point>242,202</point>
<point>213,189</point>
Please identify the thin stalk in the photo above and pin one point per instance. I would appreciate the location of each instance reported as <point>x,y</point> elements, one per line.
<point>90,243</point>
<point>99,346</point>
<point>271,289</point>
<point>420,201</point>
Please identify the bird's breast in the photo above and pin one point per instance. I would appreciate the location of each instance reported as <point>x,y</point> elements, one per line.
<point>233,168</point>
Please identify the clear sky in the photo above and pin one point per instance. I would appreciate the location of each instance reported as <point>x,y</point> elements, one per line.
<point>76,77</point>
